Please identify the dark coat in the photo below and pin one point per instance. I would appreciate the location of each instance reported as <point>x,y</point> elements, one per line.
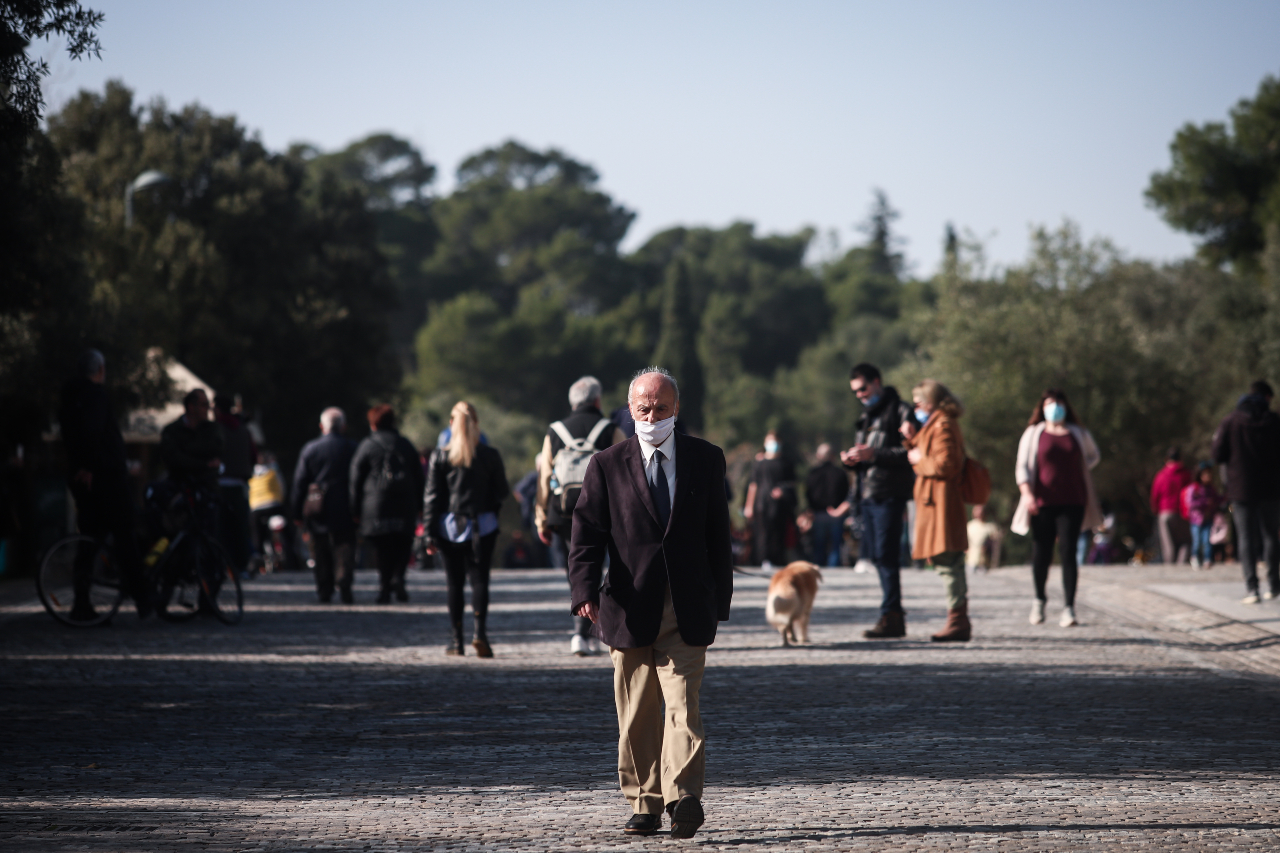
<point>187,451</point>
<point>326,461</point>
<point>90,433</point>
<point>1248,443</point>
<point>826,486</point>
<point>889,474</point>
<point>468,491</point>
<point>382,506</point>
<point>615,514</point>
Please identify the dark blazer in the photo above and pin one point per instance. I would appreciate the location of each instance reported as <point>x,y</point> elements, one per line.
<point>386,506</point>
<point>327,461</point>
<point>615,514</point>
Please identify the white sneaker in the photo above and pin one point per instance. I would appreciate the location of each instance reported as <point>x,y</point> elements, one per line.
<point>1251,598</point>
<point>1068,619</point>
<point>1037,613</point>
<point>1195,564</point>
<point>863,566</point>
<point>597,648</point>
<point>1268,595</point>
<point>579,647</point>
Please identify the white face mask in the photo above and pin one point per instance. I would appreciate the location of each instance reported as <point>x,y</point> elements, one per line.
<point>655,433</point>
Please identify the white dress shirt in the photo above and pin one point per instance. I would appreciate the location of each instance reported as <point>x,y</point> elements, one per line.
<point>668,449</point>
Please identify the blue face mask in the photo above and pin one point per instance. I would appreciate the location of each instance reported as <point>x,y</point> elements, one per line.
<point>921,415</point>
<point>871,401</point>
<point>1055,413</point>
<point>771,446</point>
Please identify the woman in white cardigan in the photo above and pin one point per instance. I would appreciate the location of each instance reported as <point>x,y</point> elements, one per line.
<point>1055,457</point>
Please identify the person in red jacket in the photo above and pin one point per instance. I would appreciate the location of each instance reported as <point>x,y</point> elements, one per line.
<point>1166,493</point>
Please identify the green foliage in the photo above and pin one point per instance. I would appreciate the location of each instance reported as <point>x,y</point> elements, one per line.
<point>263,278</point>
<point>1224,183</point>
<point>395,179</point>
<point>22,22</point>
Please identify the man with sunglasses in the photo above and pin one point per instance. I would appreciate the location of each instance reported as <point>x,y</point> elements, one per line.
<point>884,485</point>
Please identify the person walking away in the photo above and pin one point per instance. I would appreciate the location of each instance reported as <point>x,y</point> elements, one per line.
<point>885,482</point>
<point>936,454</point>
<point>984,541</point>
<point>1247,442</point>
<point>1202,503</point>
<point>386,485</point>
<point>238,457</point>
<point>99,481</point>
<point>566,450</point>
<point>825,490</point>
<point>1166,500</point>
<point>321,503</point>
<point>266,500</point>
<point>466,484</point>
<point>656,506</point>
<point>771,502</point>
<point>1055,456</point>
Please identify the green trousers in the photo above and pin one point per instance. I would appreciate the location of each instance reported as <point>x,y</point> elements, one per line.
<point>950,567</point>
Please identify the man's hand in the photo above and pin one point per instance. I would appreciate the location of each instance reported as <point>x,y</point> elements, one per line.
<point>432,547</point>
<point>858,453</point>
<point>84,477</point>
<point>776,494</point>
<point>544,536</point>
<point>914,455</point>
<point>589,610</point>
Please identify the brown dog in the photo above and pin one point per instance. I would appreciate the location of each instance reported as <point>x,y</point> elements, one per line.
<point>791,594</point>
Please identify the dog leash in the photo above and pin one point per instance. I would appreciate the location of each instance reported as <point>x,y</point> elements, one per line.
<point>742,571</point>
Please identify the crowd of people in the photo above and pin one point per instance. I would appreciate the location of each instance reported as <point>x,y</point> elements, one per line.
<point>893,496</point>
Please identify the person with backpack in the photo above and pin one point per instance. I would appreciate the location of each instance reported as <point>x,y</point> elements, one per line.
<point>568,447</point>
<point>936,453</point>
<point>386,484</point>
<point>466,485</point>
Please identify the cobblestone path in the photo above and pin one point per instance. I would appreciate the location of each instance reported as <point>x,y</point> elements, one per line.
<point>1152,726</point>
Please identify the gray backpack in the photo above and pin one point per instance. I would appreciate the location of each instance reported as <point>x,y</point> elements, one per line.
<point>569,467</point>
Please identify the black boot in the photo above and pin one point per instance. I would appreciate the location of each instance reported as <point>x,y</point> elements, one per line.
<point>456,646</point>
<point>481,641</point>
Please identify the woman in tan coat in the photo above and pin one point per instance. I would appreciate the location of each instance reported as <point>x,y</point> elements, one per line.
<point>937,455</point>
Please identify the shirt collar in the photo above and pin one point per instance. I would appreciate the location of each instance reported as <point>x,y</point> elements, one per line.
<point>667,447</point>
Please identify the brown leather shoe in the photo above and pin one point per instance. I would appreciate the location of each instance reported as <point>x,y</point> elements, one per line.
<point>890,627</point>
<point>958,629</point>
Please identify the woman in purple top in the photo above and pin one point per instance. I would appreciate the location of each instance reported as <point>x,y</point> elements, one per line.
<point>1202,502</point>
<point>1055,456</point>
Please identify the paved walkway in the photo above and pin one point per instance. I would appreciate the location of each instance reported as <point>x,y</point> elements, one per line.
<point>1152,726</point>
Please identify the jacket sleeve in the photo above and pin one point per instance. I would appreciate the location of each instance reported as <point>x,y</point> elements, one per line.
<point>1222,445</point>
<point>1022,468</point>
<point>435,496</point>
<point>589,546</point>
<point>896,455</point>
<point>415,466</point>
<point>719,542</point>
<point>945,457</point>
<point>301,482</point>
<point>1089,447</point>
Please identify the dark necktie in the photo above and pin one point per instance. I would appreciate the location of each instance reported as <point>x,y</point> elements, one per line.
<point>660,491</point>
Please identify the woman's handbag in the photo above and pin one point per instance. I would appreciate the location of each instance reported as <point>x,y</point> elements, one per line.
<point>975,482</point>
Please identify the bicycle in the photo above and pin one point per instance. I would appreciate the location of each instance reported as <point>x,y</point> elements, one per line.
<point>79,582</point>
<point>195,574</point>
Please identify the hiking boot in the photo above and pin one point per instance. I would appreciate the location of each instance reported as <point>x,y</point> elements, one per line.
<point>481,641</point>
<point>456,646</point>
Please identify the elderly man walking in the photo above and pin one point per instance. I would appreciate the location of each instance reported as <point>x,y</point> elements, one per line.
<point>321,502</point>
<point>656,504</point>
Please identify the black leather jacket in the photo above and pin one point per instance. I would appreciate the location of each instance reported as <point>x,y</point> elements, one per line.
<point>889,475</point>
<point>462,491</point>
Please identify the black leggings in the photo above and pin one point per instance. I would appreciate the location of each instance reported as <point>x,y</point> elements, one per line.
<point>462,563</point>
<point>1061,523</point>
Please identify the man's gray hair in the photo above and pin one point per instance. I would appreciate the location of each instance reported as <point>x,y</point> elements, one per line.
<point>586,390</point>
<point>640,374</point>
<point>91,361</point>
<point>332,419</point>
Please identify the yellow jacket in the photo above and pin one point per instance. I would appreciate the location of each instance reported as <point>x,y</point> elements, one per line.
<point>265,490</point>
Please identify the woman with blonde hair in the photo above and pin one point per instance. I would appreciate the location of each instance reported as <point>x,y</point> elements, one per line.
<point>936,453</point>
<point>466,484</point>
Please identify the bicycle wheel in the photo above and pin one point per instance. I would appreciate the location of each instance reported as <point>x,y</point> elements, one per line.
<point>177,590</point>
<point>220,582</point>
<point>79,583</point>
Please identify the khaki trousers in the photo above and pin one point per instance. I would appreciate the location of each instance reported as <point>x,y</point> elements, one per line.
<point>660,757</point>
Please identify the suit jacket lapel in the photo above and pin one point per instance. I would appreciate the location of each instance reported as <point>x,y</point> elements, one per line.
<point>635,460</point>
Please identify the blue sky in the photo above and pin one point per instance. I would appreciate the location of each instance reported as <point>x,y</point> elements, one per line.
<point>991,115</point>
